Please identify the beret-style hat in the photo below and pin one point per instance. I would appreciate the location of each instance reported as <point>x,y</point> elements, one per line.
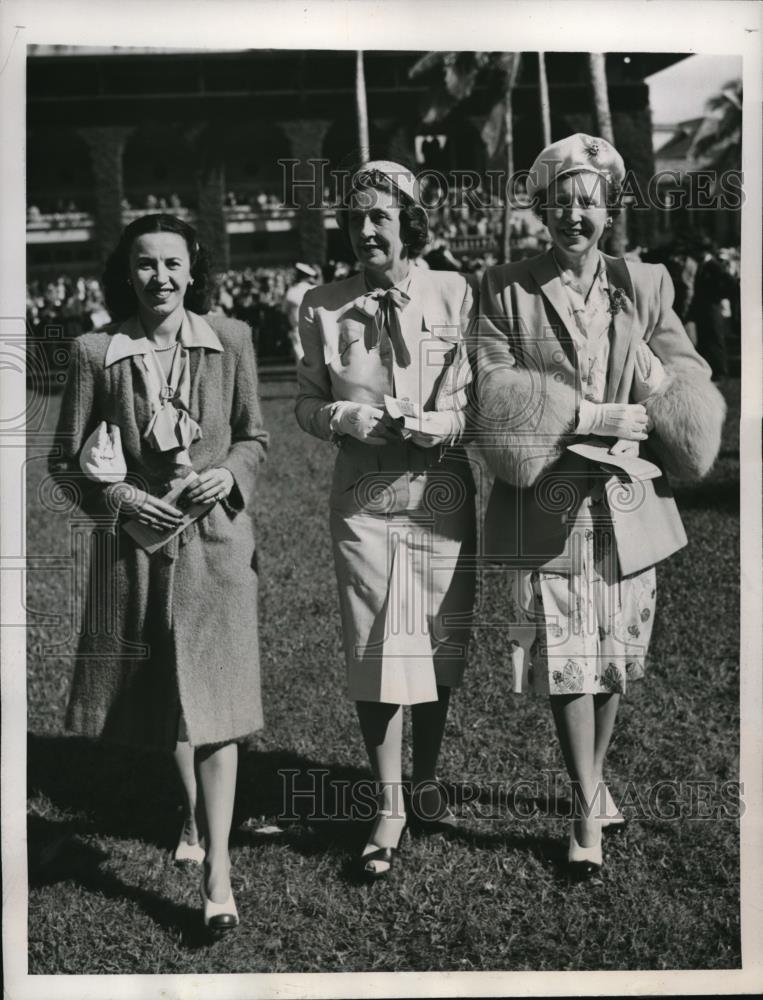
<point>400,176</point>
<point>575,154</point>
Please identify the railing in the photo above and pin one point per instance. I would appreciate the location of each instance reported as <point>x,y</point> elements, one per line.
<point>79,226</point>
<point>473,244</point>
<point>59,220</point>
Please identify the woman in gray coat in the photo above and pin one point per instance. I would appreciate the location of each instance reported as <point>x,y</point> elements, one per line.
<point>160,434</point>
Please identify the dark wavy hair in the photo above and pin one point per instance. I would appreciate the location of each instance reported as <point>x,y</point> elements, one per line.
<point>121,300</point>
<point>414,223</point>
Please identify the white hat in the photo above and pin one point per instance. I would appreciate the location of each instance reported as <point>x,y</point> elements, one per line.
<point>306,269</point>
<point>575,154</point>
<point>400,176</point>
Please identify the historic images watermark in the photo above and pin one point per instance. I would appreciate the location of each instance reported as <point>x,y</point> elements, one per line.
<point>312,795</point>
<point>312,184</point>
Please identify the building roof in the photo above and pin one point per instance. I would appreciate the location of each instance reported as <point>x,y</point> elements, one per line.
<point>678,145</point>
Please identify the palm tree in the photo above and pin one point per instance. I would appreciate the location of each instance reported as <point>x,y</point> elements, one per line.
<point>545,104</point>
<point>460,73</point>
<point>717,143</point>
<point>598,69</point>
<point>361,108</point>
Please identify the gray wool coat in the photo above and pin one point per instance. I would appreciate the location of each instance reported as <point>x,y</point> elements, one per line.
<point>177,630</point>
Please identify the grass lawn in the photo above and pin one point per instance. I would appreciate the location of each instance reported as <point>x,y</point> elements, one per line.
<point>105,896</point>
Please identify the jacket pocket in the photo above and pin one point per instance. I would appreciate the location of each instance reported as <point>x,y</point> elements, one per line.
<point>219,525</point>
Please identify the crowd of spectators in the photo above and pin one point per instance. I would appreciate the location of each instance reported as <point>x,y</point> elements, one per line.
<point>267,204</point>
<point>466,236</point>
<point>67,211</point>
<point>63,212</point>
<point>65,308</point>
<point>71,305</point>
<point>707,296</point>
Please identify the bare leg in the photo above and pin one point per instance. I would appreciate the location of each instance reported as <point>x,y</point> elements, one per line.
<point>605,712</point>
<point>605,709</point>
<point>382,728</point>
<point>216,771</point>
<point>575,726</point>
<point>184,761</point>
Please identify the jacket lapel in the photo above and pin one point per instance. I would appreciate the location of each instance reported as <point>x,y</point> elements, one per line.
<point>196,360</point>
<point>411,317</point>
<point>546,275</point>
<point>142,408</point>
<point>619,277</point>
<point>126,363</point>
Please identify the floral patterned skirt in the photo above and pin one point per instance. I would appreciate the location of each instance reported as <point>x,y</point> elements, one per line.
<point>586,632</point>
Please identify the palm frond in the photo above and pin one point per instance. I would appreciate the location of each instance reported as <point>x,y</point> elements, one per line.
<point>429,61</point>
<point>717,143</point>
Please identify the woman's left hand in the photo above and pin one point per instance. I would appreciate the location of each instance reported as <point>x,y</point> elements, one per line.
<point>435,428</point>
<point>212,484</point>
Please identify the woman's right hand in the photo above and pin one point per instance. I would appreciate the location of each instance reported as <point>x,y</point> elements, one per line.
<point>148,509</point>
<point>627,421</point>
<point>362,421</point>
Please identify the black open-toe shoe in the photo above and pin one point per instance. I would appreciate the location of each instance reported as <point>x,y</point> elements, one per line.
<point>377,859</point>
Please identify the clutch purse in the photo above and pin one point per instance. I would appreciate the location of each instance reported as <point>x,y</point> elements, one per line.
<point>153,539</point>
<point>633,466</point>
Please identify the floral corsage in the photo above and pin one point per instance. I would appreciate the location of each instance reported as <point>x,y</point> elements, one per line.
<point>617,300</point>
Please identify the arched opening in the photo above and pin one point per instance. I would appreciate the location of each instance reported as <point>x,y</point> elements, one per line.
<point>159,169</point>
<point>59,172</point>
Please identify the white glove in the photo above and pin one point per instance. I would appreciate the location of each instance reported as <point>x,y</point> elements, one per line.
<point>648,374</point>
<point>101,458</point>
<point>361,421</point>
<point>616,420</point>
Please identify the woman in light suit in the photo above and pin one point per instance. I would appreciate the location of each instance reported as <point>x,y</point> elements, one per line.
<point>402,497</point>
<point>579,348</point>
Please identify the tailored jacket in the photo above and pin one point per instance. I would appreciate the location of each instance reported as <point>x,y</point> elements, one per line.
<point>346,360</point>
<point>528,395</point>
<point>183,621</point>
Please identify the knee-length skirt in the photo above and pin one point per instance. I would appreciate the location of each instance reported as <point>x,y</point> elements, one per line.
<point>587,631</point>
<point>406,592</point>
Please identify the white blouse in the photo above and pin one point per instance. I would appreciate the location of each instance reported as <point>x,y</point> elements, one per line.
<point>591,324</point>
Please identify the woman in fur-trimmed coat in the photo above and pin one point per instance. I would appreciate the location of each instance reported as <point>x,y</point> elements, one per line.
<point>168,652</point>
<point>576,347</point>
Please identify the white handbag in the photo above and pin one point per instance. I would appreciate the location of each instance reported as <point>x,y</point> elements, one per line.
<point>102,458</point>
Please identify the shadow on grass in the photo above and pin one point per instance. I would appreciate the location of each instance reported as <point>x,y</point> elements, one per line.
<point>320,821</point>
<point>122,792</point>
<point>58,854</point>
<point>99,790</point>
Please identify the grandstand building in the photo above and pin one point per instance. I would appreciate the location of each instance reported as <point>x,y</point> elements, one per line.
<point>225,138</point>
